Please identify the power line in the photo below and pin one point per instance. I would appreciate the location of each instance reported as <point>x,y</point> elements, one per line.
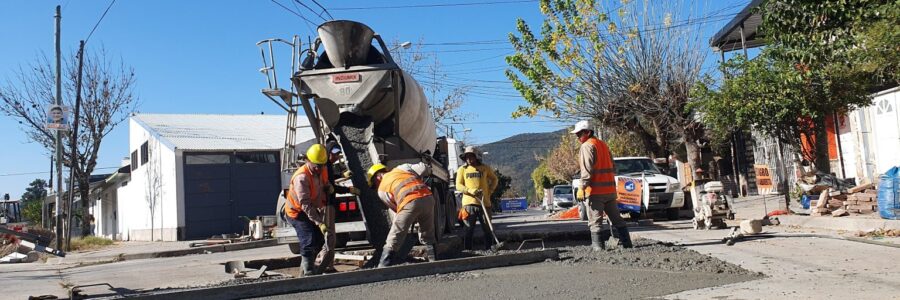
<point>323,9</point>
<point>433,5</point>
<point>98,21</point>
<point>310,9</point>
<point>295,13</point>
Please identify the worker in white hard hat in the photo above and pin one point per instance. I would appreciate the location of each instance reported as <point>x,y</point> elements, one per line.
<point>305,206</point>
<point>598,187</point>
<point>405,192</point>
<point>476,181</point>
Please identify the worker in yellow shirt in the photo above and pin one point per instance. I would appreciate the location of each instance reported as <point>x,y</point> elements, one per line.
<point>476,181</point>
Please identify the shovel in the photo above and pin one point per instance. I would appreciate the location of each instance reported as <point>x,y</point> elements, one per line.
<point>487,218</point>
<point>613,242</point>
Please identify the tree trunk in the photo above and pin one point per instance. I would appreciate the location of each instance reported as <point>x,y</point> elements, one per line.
<point>823,162</point>
<point>662,141</point>
<point>693,156</point>
<point>84,192</point>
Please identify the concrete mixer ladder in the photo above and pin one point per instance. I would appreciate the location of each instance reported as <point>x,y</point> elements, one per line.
<point>286,99</point>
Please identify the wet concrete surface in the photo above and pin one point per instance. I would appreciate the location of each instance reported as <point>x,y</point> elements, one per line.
<point>651,269</point>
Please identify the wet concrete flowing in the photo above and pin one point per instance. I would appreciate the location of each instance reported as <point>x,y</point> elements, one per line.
<point>651,269</point>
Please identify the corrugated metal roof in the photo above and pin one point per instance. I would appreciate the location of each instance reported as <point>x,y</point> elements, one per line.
<point>729,37</point>
<point>207,132</point>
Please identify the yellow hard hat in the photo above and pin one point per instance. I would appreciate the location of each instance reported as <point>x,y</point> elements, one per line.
<point>316,154</point>
<point>371,173</point>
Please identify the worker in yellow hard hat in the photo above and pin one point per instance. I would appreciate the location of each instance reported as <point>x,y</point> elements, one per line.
<point>404,191</point>
<point>305,206</point>
<point>476,181</point>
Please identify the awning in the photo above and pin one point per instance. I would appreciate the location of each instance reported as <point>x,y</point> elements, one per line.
<point>729,37</point>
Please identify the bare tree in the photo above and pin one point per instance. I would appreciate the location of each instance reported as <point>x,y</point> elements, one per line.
<point>628,64</point>
<point>107,93</point>
<point>562,161</point>
<point>153,191</point>
<point>446,101</point>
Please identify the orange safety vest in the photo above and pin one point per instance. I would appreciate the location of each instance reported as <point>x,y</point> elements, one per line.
<point>403,186</point>
<point>603,177</point>
<point>293,208</point>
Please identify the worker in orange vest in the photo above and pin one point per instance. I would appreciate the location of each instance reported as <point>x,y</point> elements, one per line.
<point>305,206</point>
<point>598,186</point>
<point>405,193</point>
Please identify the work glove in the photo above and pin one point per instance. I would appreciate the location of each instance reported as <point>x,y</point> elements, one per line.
<point>348,174</point>
<point>476,192</point>
<point>323,228</point>
<point>329,189</point>
<point>579,194</point>
<point>354,190</point>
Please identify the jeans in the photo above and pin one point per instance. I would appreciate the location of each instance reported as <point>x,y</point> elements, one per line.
<point>311,239</point>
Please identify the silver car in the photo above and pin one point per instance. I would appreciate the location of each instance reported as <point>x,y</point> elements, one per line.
<point>563,196</point>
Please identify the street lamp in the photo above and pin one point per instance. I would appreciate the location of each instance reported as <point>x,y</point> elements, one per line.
<point>404,45</point>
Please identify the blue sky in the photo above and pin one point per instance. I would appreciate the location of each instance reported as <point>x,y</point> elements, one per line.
<point>200,57</point>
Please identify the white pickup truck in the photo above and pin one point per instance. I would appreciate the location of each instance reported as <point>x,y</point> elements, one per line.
<point>664,191</point>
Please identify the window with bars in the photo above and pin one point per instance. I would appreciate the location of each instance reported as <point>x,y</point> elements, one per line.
<point>145,153</point>
<point>134,160</point>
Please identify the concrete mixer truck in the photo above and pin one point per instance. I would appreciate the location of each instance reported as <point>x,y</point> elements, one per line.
<point>353,93</point>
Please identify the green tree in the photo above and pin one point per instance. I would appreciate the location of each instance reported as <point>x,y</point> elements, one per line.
<point>503,185</point>
<point>33,199</point>
<point>811,68</point>
<point>628,64</point>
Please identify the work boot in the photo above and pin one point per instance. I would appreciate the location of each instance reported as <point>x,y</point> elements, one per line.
<point>596,241</point>
<point>387,258</point>
<point>307,266</point>
<point>467,241</point>
<point>624,237</point>
<point>488,242</point>
<point>430,252</point>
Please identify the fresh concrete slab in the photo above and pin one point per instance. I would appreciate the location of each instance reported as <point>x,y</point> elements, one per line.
<point>327,281</point>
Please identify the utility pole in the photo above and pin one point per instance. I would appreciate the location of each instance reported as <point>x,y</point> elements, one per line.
<point>58,137</point>
<point>73,162</point>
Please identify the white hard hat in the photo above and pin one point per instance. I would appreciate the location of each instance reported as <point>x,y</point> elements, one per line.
<point>582,125</point>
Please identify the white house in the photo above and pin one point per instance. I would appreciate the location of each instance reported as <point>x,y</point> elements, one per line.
<point>193,176</point>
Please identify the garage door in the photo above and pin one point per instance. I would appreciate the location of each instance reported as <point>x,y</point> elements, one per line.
<point>219,188</point>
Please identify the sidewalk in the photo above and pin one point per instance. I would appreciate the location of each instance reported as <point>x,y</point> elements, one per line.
<point>132,250</point>
<point>756,206</point>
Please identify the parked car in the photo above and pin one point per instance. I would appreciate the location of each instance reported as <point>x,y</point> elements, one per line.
<point>563,196</point>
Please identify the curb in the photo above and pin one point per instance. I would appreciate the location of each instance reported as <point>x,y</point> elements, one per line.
<point>838,224</point>
<point>170,253</point>
<point>327,281</point>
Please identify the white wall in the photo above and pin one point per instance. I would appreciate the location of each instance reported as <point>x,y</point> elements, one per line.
<point>155,179</point>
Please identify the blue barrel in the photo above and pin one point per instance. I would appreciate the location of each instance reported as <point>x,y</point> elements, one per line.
<point>514,204</point>
<point>889,194</point>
